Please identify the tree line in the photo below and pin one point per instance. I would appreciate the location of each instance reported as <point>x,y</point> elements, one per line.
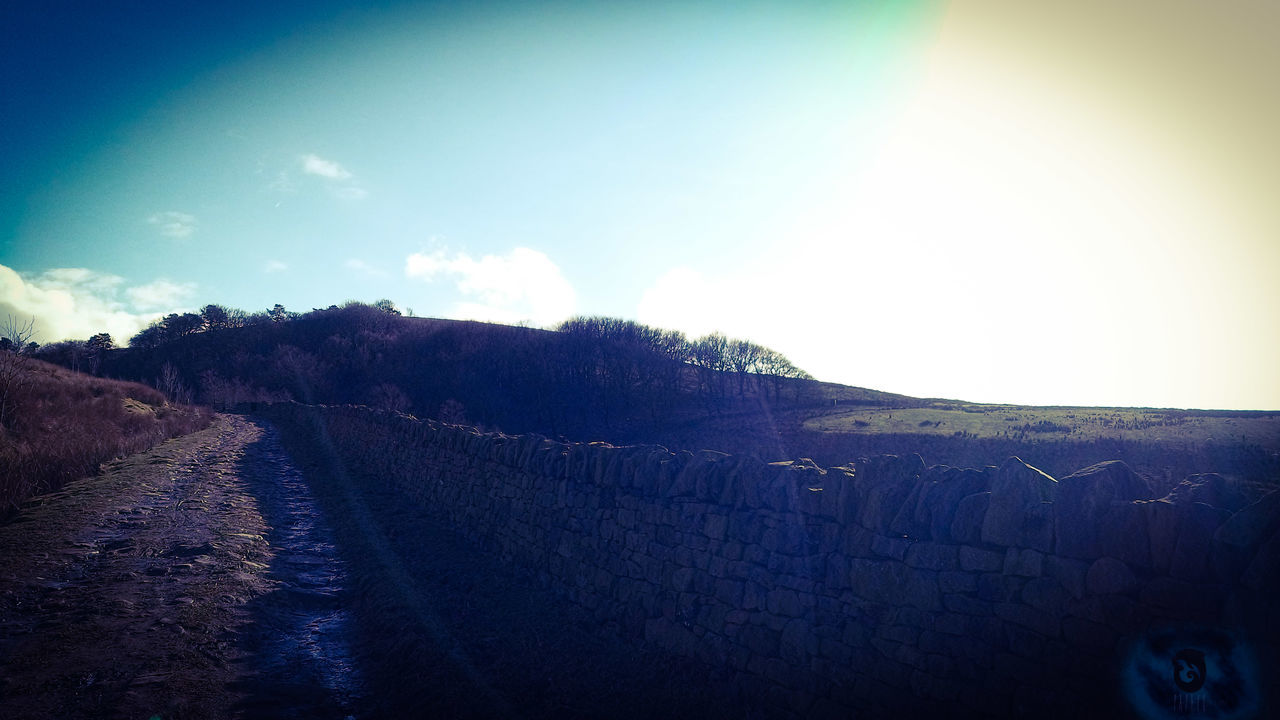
<point>586,375</point>
<point>211,318</point>
<point>625,361</point>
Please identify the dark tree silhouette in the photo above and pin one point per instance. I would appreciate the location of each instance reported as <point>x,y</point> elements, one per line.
<point>215,317</point>
<point>278,314</point>
<point>96,348</point>
<point>709,356</point>
<point>15,347</point>
<point>743,357</point>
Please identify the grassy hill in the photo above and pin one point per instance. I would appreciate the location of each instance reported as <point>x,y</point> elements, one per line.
<point>611,380</point>
<point>607,380</point>
<point>58,425</point>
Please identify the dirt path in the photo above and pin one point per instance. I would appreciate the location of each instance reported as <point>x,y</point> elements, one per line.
<point>191,581</point>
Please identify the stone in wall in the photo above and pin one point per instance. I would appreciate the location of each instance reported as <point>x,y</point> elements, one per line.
<point>1089,511</point>
<point>883,486</point>
<point>1248,543</point>
<point>938,499</point>
<point>1213,489</point>
<point>1193,552</point>
<point>971,512</point>
<point>1263,571</point>
<point>1019,512</point>
<point>1109,576</point>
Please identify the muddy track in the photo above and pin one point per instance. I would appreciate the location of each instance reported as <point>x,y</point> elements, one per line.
<point>175,584</point>
<point>211,577</point>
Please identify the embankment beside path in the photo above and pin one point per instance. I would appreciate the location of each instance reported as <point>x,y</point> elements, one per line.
<point>57,425</point>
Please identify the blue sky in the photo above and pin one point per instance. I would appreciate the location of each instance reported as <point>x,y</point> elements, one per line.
<point>936,198</point>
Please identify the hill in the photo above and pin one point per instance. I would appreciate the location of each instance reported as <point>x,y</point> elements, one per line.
<point>57,425</point>
<point>622,382</point>
<point>598,378</point>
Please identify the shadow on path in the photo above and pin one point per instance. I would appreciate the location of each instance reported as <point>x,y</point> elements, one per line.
<point>299,663</point>
<point>440,629</point>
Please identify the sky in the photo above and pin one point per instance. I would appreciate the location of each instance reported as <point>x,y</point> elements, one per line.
<point>987,200</point>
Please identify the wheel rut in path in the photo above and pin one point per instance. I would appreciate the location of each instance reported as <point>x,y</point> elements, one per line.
<point>195,580</point>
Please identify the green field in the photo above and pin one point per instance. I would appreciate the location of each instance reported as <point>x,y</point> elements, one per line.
<point>1174,427</point>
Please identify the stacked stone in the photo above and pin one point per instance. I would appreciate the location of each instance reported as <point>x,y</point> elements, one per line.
<point>882,586</point>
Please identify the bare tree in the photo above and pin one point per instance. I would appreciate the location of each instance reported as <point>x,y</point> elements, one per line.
<point>222,393</point>
<point>709,357</point>
<point>742,357</point>
<point>782,372</point>
<point>170,383</point>
<point>299,368</point>
<point>15,336</point>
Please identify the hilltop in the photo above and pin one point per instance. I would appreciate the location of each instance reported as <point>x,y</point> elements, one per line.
<point>597,378</point>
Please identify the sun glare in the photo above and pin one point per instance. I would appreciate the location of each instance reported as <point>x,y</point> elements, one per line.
<point>1025,209</point>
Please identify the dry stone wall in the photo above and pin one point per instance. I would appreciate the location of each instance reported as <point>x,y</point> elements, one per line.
<point>883,586</point>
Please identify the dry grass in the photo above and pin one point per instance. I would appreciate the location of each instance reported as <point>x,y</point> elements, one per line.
<point>1059,423</point>
<point>1163,444</point>
<point>64,424</point>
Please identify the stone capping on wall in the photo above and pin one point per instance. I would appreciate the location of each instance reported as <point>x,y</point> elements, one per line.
<point>992,590</point>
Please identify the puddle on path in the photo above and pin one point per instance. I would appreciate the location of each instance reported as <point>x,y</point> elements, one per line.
<point>302,659</point>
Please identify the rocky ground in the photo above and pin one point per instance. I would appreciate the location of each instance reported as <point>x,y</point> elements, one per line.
<point>214,577</point>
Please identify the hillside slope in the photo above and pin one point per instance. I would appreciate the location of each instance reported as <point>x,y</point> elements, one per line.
<point>58,425</point>
<point>619,382</point>
<point>612,379</point>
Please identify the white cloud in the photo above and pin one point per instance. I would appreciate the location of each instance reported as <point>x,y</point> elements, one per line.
<point>160,294</point>
<point>363,267</point>
<point>329,170</point>
<point>424,266</point>
<point>316,165</point>
<point>351,193</point>
<point>274,266</point>
<point>76,303</point>
<point>521,285</point>
<point>174,224</point>
<point>82,278</point>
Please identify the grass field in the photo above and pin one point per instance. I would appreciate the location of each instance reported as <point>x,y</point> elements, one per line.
<point>1059,423</point>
